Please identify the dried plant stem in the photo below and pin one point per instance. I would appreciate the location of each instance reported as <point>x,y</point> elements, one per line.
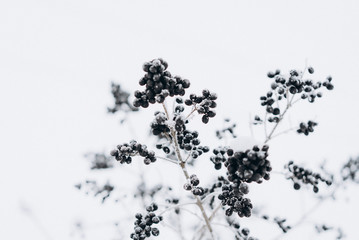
<point>269,137</point>
<point>182,164</point>
<point>314,208</point>
<point>193,110</point>
<point>167,159</point>
<point>210,219</point>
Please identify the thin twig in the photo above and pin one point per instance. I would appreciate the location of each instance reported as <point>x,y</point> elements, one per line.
<point>315,207</point>
<point>193,110</point>
<point>167,159</point>
<point>185,172</point>
<point>210,219</point>
<point>284,132</point>
<point>269,137</point>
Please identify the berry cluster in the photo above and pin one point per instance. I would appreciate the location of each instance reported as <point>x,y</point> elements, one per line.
<point>219,157</point>
<point>203,104</point>
<point>91,185</point>
<point>232,196</point>
<point>121,99</point>
<point>143,225</point>
<point>178,119</point>
<point>99,160</point>
<point>143,191</point>
<point>242,234</point>
<point>324,228</point>
<point>294,83</point>
<point>159,124</point>
<point>251,165</point>
<point>350,170</point>
<point>189,141</point>
<point>280,222</point>
<point>306,128</point>
<point>220,133</point>
<point>124,153</point>
<point>193,186</point>
<point>159,84</point>
<point>299,174</point>
<point>257,120</point>
<point>218,184</point>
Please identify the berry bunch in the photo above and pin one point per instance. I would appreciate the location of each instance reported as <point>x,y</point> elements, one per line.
<point>219,157</point>
<point>121,99</point>
<point>242,234</point>
<point>189,141</point>
<point>159,124</point>
<point>306,128</point>
<point>99,160</point>
<point>299,174</point>
<point>350,170</point>
<point>257,120</point>
<point>159,84</point>
<point>165,147</point>
<point>143,225</point>
<point>124,153</point>
<point>294,83</point>
<point>281,224</point>
<point>91,185</point>
<point>251,165</point>
<point>193,186</point>
<point>232,196</point>
<point>203,104</point>
<point>220,133</point>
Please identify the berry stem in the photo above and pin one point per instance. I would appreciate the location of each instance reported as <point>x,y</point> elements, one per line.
<point>185,172</point>
<point>210,219</point>
<point>176,206</point>
<point>193,110</point>
<point>286,131</point>
<point>167,159</point>
<point>315,207</point>
<point>269,137</point>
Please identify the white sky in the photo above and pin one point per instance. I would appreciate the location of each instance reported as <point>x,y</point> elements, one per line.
<point>57,59</point>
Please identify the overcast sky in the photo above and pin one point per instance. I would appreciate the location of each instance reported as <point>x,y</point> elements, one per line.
<point>57,59</point>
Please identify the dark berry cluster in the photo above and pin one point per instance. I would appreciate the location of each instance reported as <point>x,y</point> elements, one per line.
<point>143,190</point>
<point>294,83</point>
<point>280,222</point>
<point>159,124</point>
<point>178,119</point>
<point>299,174</point>
<point>306,128</point>
<point>219,157</point>
<point>99,160</point>
<point>165,147</point>
<point>257,120</point>
<point>189,141</point>
<point>121,99</point>
<point>143,225</point>
<point>159,84</point>
<point>249,166</point>
<point>324,228</point>
<point>241,234</point>
<point>328,83</point>
<point>91,185</point>
<point>232,196</point>
<point>193,186</point>
<point>126,151</point>
<point>350,170</point>
<point>203,104</point>
<point>174,201</point>
<point>221,133</point>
